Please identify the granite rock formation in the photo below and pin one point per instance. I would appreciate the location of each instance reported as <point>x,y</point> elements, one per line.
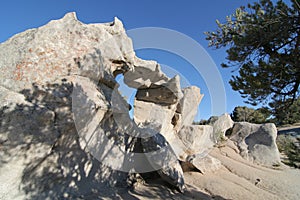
<point>257,142</point>
<point>66,132</point>
<point>63,118</point>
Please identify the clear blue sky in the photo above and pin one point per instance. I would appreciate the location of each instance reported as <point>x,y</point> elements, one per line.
<point>190,17</point>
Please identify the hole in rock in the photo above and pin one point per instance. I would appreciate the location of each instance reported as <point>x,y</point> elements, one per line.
<point>127,92</point>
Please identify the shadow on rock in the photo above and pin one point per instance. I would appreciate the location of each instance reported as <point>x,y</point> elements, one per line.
<point>39,134</point>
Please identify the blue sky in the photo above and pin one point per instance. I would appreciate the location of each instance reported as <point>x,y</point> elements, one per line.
<point>190,17</point>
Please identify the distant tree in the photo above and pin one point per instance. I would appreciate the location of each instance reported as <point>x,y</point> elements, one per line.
<point>212,120</point>
<point>263,43</point>
<point>290,146</point>
<point>288,116</point>
<point>245,114</point>
<point>201,122</point>
<point>209,121</point>
<point>242,114</point>
<point>261,115</point>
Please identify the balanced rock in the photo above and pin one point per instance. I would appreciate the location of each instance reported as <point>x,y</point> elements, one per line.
<point>174,116</point>
<point>144,74</point>
<point>165,94</point>
<point>157,104</point>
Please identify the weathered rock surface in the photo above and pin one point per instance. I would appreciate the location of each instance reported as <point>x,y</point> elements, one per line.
<point>65,130</point>
<point>59,100</point>
<point>174,111</point>
<point>241,179</point>
<point>40,147</point>
<point>162,158</point>
<point>174,116</point>
<point>196,139</point>
<point>165,94</point>
<point>155,113</point>
<point>205,164</point>
<point>144,74</point>
<point>187,106</point>
<point>221,125</point>
<point>257,142</point>
<point>236,178</point>
<point>62,48</point>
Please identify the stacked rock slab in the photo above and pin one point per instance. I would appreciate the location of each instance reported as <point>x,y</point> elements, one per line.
<point>173,110</point>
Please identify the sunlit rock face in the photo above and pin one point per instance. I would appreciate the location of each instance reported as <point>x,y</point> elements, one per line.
<point>257,142</point>
<point>221,125</point>
<point>65,128</point>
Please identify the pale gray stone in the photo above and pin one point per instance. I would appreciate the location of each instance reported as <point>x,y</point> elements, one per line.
<point>221,125</point>
<point>165,94</point>
<point>188,105</point>
<point>62,117</point>
<point>196,139</point>
<point>144,74</point>
<point>257,142</point>
<point>205,164</point>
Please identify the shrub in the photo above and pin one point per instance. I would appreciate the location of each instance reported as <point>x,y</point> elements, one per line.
<point>289,146</point>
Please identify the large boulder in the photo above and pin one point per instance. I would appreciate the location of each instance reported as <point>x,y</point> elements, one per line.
<point>65,129</point>
<point>257,142</point>
<point>155,113</point>
<point>174,112</point>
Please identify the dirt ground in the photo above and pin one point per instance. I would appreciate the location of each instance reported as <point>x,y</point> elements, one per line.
<point>237,179</point>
